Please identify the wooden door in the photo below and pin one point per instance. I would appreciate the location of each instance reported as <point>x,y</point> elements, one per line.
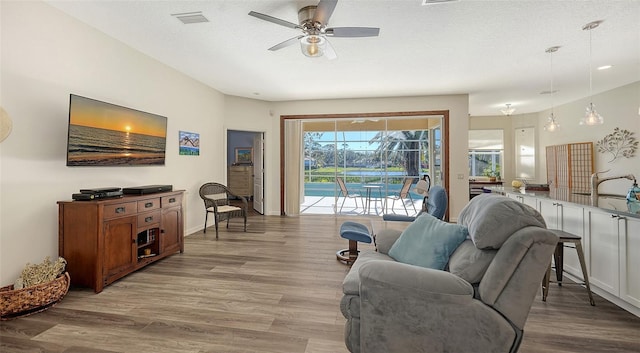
<point>171,233</point>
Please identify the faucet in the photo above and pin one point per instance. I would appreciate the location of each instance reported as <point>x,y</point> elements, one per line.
<point>595,181</point>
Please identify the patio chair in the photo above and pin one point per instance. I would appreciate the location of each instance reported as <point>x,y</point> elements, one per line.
<point>345,193</point>
<point>403,194</point>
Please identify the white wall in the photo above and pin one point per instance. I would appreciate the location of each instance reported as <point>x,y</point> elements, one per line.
<point>619,107</point>
<point>254,115</point>
<point>46,55</point>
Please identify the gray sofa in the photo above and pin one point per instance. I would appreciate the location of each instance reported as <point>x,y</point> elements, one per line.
<point>479,303</point>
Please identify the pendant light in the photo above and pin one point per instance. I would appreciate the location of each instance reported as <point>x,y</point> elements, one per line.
<point>591,117</point>
<point>552,124</point>
<point>508,110</point>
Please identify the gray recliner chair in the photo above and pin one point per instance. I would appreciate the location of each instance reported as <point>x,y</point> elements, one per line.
<point>479,303</point>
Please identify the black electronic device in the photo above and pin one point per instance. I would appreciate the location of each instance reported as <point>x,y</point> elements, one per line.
<point>147,189</point>
<point>100,190</point>
<point>83,197</point>
<point>101,193</point>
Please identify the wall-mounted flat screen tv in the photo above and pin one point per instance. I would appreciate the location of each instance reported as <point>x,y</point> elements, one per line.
<point>104,134</point>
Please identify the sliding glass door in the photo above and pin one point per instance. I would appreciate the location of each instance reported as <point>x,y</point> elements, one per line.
<point>372,156</point>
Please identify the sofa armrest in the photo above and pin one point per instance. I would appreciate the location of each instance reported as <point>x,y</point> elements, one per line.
<point>432,284</point>
<point>405,308</point>
<point>385,239</point>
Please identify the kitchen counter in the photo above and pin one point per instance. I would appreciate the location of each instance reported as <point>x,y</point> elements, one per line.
<point>609,203</point>
<point>610,238</point>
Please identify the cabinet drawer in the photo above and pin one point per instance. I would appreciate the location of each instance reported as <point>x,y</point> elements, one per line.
<point>171,201</point>
<point>120,209</point>
<point>148,218</point>
<point>148,205</point>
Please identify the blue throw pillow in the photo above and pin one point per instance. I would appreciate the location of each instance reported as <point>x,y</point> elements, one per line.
<point>428,242</point>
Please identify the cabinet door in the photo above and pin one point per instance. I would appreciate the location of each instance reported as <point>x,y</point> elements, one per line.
<point>527,200</point>
<point>572,221</point>
<point>603,266</point>
<point>119,246</point>
<point>171,233</point>
<point>630,261</point>
<point>549,211</point>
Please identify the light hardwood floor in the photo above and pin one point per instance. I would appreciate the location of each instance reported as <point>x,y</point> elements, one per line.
<point>276,289</point>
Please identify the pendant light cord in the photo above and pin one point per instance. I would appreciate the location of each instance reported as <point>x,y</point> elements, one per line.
<point>590,68</point>
<point>551,90</point>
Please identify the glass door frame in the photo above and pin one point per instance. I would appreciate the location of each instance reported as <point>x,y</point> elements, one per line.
<point>442,114</point>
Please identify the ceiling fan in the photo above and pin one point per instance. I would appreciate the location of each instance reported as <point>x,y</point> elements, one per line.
<point>313,23</point>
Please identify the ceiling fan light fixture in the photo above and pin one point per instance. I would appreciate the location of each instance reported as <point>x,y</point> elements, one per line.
<point>313,45</point>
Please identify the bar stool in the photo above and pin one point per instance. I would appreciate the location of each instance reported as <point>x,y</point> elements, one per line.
<point>565,237</point>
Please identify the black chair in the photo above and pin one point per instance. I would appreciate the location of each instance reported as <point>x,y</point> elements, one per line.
<point>216,200</point>
<point>435,204</point>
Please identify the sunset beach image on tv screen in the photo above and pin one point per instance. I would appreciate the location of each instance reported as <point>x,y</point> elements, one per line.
<point>104,134</point>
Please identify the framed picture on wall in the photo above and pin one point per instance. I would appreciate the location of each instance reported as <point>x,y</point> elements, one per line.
<point>244,155</point>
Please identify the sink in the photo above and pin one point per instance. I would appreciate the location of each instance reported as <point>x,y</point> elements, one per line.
<point>616,203</point>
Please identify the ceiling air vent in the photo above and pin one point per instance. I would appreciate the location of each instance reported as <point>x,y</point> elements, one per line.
<point>190,17</point>
<point>430,2</point>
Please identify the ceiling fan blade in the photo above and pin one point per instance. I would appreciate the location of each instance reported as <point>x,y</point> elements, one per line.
<point>353,32</point>
<point>324,10</point>
<point>274,20</point>
<point>329,52</point>
<point>286,43</point>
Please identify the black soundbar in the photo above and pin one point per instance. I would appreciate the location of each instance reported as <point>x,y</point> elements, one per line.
<point>147,189</point>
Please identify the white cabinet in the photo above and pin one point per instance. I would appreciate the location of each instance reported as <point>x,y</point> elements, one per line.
<point>611,243</point>
<point>568,217</point>
<point>630,261</point>
<point>527,200</point>
<point>604,261</point>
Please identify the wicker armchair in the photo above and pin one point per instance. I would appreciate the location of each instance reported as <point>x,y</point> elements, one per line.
<point>216,201</point>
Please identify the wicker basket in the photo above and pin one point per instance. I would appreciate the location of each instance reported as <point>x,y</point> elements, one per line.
<point>34,299</point>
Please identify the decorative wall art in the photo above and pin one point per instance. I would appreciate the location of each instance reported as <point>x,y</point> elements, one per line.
<point>620,143</point>
<point>244,155</point>
<point>189,143</point>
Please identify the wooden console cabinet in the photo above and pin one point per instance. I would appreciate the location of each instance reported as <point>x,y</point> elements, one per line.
<point>104,240</point>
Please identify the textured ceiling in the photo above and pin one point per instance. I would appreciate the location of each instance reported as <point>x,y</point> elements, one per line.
<point>492,50</point>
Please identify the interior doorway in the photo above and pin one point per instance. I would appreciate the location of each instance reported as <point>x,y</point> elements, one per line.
<point>245,166</point>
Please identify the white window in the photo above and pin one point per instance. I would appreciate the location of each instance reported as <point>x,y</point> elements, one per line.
<point>486,148</point>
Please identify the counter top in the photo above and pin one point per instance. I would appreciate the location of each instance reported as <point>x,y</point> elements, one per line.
<point>616,204</point>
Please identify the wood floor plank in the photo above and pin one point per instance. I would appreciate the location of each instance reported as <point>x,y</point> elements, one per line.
<point>276,288</point>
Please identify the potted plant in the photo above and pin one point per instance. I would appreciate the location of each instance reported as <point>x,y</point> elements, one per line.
<point>491,173</point>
